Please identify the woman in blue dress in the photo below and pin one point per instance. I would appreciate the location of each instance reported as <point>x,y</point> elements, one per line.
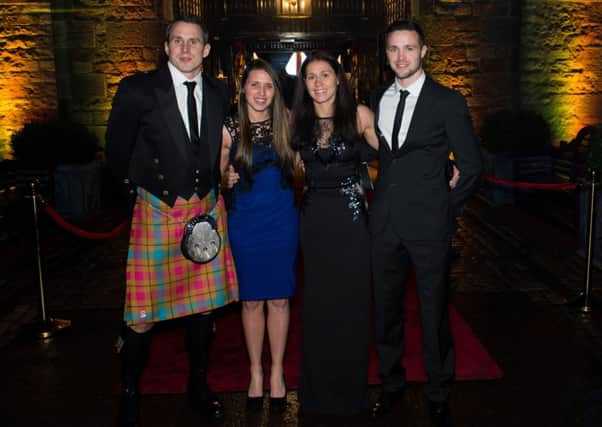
<point>262,221</point>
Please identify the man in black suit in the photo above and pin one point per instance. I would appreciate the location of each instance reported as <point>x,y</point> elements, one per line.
<point>413,212</point>
<point>163,143</point>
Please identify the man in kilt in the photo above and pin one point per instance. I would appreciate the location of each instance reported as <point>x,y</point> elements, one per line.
<point>163,144</point>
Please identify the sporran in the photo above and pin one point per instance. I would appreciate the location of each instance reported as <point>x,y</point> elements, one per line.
<point>201,241</point>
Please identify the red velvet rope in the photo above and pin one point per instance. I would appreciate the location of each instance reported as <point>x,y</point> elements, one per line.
<point>535,185</point>
<point>78,231</point>
<point>117,230</point>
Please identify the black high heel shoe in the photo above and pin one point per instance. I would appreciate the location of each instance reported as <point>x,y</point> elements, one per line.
<point>254,404</point>
<point>278,404</point>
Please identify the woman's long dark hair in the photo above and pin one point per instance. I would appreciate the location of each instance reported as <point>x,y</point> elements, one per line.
<point>345,105</point>
<point>280,125</point>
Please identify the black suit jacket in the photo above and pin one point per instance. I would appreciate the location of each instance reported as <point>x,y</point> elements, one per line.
<point>412,189</point>
<point>147,142</point>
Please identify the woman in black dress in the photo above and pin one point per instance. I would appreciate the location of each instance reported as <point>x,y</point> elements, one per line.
<point>334,135</point>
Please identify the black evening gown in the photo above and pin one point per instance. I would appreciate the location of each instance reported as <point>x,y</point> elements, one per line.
<point>336,292</point>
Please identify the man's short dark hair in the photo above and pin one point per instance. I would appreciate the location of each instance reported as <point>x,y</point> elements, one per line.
<point>405,25</point>
<point>188,20</point>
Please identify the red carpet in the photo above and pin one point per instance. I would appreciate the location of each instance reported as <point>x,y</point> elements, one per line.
<point>167,368</point>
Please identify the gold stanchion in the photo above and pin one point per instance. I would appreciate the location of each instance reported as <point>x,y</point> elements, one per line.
<point>47,327</point>
<point>585,301</point>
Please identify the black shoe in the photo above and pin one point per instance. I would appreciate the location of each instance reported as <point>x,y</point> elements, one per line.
<point>204,401</point>
<point>278,404</point>
<point>129,409</point>
<point>254,404</point>
<point>386,402</point>
<point>213,408</point>
<point>439,412</point>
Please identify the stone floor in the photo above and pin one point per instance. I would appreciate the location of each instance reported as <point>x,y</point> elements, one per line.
<point>512,279</point>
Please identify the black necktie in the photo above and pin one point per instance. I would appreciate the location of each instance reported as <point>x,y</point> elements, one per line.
<point>403,94</point>
<point>193,121</point>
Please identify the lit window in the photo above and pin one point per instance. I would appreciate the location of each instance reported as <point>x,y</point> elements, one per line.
<point>294,63</point>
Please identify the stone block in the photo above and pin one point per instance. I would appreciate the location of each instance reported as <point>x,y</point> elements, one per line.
<point>82,35</point>
<point>498,30</point>
<point>496,65</point>
<point>131,13</point>
<point>82,67</point>
<point>134,34</point>
<point>87,86</point>
<point>495,8</point>
<point>100,117</point>
<point>100,132</point>
<point>83,117</point>
<point>60,34</point>
<point>454,8</point>
<point>46,66</point>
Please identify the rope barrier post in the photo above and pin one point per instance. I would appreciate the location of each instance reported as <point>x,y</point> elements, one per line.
<point>47,327</point>
<point>585,301</point>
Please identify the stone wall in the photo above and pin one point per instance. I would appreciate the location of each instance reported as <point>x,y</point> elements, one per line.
<point>68,61</point>
<point>71,60</point>
<point>561,63</point>
<point>27,76</point>
<point>473,49</point>
<point>97,45</point>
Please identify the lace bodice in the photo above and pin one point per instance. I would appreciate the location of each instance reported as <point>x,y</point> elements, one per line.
<point>261,132</point>
<point>264,155</point>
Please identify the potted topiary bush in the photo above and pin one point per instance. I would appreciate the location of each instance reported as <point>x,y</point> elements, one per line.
<point>63,154</point>
<point>498,139</point>
<point>595,157</point>
<point>516,145</point>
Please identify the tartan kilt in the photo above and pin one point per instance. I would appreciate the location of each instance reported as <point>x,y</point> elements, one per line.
<point>160,283</point>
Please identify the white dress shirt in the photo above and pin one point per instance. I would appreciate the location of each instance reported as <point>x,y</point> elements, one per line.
<point>388,105</point>
<point>182,94</point>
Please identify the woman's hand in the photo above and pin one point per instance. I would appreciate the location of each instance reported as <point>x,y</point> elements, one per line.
<point>231,177</point>
<point>455,177</point>
<point>300,165</point>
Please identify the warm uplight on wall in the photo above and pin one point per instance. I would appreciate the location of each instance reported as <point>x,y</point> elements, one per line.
<point>560,63</point>
<point>15,109</point>
<point>576,104</point>
<point>27,71</point>
<point>293,8</point>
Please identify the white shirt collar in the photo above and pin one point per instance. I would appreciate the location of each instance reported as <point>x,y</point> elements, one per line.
<point>413,88</point>
<point>179,78</point>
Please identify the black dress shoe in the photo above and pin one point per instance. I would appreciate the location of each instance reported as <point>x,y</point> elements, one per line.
<point>254,404</point>
<point>386,402</point>
<point>129,409</point>
<point>206,403</point>
<point>212,408</point>
<point>439,413</point>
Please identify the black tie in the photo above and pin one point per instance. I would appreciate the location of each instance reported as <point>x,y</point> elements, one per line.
<point>403,94</point>
<point>193,120</point>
